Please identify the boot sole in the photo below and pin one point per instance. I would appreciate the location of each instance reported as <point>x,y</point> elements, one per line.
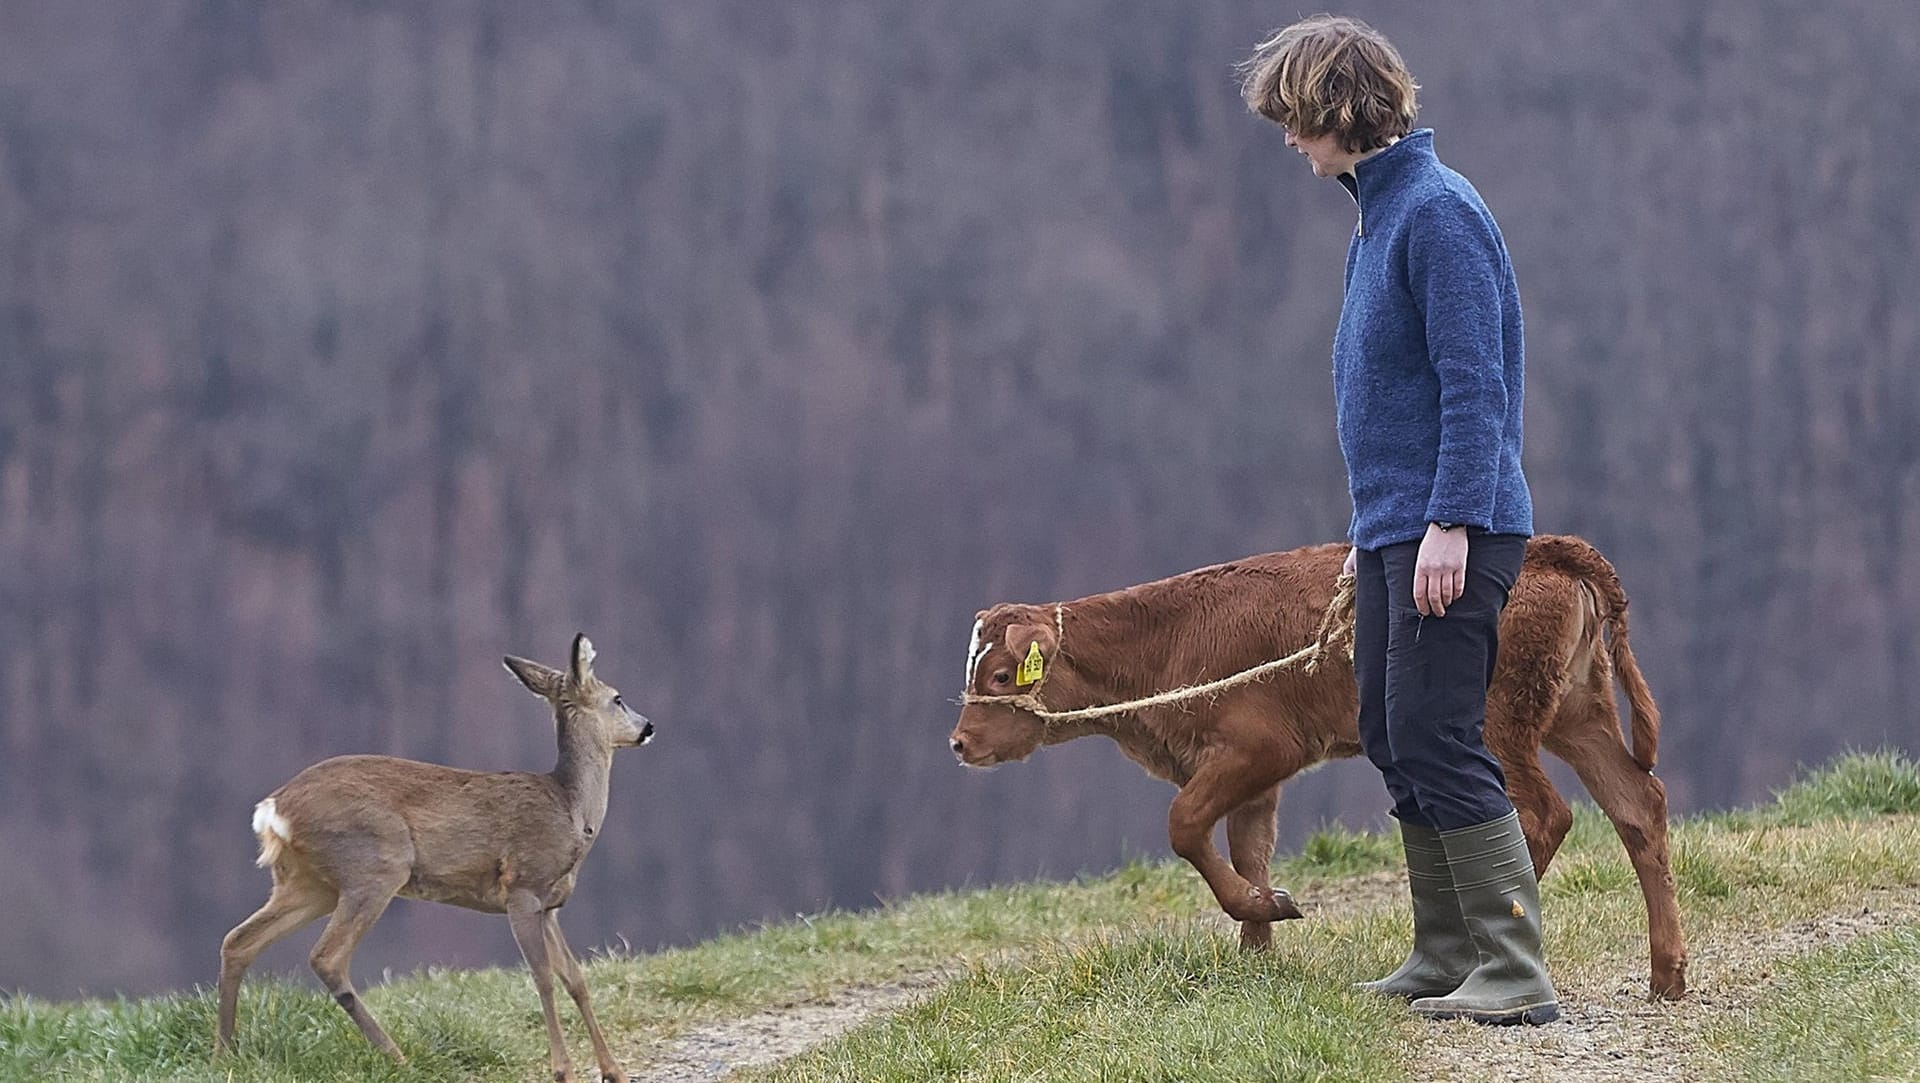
<point>1535,1016</point>
<point>1424,994</point>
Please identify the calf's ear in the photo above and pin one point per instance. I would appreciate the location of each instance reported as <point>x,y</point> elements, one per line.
<point>1023,638</point>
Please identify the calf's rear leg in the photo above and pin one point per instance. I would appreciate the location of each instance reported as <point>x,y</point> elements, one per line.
<point>1250,837</point>
<point>1544,813</point>
<point>1636,802</point>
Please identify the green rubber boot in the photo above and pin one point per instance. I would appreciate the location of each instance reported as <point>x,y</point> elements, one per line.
<point>1443,953</point>
<point>1500,903</point>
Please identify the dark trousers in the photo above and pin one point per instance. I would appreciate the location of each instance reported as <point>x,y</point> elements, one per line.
<point>1423,682</point>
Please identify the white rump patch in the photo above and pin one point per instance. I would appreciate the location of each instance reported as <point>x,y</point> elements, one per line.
<point>973,653</point>
<point>266,818</point>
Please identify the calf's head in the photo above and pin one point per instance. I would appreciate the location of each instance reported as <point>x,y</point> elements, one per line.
<point>1014,653</point>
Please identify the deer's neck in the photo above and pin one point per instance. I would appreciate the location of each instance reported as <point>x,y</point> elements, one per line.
<point>584,772</point>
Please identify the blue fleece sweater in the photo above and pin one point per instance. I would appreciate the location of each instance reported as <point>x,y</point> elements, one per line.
<point>1427,362</point>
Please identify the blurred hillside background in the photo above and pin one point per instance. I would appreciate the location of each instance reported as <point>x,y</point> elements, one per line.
<point>346,347</point>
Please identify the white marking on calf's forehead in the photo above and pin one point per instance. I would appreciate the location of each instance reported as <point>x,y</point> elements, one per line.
<point>973,651</point>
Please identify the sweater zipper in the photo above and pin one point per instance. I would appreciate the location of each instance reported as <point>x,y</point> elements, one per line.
<point>1351,182</point>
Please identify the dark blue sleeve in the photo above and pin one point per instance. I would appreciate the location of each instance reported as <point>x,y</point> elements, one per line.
<point>1456,268</point>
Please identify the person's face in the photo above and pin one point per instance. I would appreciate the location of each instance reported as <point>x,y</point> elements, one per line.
<point>1324,153</point>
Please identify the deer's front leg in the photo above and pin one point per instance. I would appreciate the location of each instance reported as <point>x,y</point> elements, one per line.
<point>574,979</point>
<point>1211,793</point>
<point>526,915</point>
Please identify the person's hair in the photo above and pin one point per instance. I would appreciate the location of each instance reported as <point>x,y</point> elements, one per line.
<point>1331,73</point>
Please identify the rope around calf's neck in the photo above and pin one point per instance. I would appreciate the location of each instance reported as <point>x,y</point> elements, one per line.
<point>1336,633</point>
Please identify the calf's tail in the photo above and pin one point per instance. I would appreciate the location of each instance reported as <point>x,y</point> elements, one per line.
<point>1584,564</point>
<point>1646,716</point>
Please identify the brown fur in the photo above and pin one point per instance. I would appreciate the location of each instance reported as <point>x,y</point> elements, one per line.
<point>363,829</point>
<point>1563,638</point>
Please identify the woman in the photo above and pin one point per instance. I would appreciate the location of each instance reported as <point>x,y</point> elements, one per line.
<point>1427,384</point>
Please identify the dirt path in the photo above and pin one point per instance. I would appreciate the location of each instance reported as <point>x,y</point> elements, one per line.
<point>1606,1036</point>
<point>713,1052</point>
<point>1607,1033</point>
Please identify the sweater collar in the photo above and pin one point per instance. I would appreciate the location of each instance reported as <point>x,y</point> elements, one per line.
<point>1385,170</point>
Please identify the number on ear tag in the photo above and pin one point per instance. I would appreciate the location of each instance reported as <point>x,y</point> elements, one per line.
<point>1032,668</point>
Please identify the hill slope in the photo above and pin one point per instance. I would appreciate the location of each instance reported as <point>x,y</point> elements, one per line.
<point>1811,899</point>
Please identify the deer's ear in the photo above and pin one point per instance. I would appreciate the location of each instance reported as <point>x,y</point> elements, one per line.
<point>542,681</point>
<point>582,659</point>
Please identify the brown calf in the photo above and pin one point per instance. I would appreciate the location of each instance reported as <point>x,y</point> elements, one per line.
<point>1563,639</point>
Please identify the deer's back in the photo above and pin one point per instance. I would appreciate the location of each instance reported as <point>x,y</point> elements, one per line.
<point>459,836</point>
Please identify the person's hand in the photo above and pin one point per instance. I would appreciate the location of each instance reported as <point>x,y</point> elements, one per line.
<point>1352,555</point>
<point>1440,571</point>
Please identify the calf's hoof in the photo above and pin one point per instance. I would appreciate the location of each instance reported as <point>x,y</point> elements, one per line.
<point>1670,983</point>
<point>1283,906</point>
<point>1265,904</point>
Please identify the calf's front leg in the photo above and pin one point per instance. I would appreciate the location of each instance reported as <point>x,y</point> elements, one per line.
<point>1250,835</point>
<point>1211,793</point>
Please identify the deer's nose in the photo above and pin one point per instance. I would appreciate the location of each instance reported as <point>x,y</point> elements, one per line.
<point>959,747</point>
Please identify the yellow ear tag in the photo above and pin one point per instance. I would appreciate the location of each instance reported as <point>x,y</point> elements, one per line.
<point>1031,669</point>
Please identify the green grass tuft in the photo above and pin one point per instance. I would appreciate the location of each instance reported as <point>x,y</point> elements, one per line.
<point>1336,851</point>
<point>1860,785</point>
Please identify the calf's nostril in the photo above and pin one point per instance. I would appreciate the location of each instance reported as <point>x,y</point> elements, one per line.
<point>958,747</point>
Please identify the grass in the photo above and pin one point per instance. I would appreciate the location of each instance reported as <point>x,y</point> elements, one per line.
<point>1173,1002</point>
<point>1131,975</point>
<point>1841,1013</point>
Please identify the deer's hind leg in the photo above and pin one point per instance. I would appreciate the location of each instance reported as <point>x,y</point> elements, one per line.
<point>359,907</point>
<point>296,901</point>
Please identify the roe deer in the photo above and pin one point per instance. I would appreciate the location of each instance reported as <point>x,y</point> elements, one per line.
<point>348,834</point>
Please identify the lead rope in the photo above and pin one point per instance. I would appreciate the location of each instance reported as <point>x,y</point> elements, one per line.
<point>1336,634</point>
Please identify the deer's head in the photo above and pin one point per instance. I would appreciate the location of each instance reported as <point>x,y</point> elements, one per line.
<point>582,702</point>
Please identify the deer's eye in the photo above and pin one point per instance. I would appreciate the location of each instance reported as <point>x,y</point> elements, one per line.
<point>1001,678</point>
<point>617,702</point>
